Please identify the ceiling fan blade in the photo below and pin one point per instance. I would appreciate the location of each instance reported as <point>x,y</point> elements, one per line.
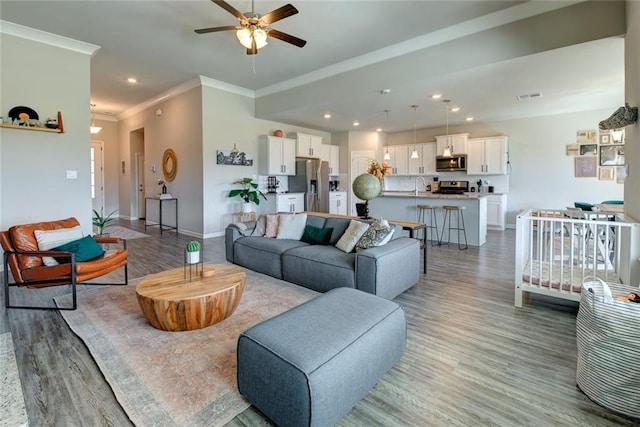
<point>286,37</point>
<point>216,29</point>
<point>232,10</point>
<point>279,13</point>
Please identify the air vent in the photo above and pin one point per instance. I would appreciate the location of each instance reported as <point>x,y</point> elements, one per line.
<point>528,96</point>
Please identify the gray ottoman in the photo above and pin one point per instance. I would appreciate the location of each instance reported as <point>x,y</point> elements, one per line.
<point>310,365</point>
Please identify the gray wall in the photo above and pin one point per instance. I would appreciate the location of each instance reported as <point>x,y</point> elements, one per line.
<point>33,181</point>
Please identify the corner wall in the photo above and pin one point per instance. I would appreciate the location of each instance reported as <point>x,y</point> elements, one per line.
<point>632,96</point>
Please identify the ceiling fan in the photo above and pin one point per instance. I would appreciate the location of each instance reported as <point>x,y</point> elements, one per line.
<point>254,28</point>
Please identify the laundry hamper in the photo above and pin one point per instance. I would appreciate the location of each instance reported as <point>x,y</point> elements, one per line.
<point>608,334</point>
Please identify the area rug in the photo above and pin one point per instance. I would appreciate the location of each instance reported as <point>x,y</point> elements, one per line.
<point>122,232</point>
<point>12,406</point>
<point>174,378</point>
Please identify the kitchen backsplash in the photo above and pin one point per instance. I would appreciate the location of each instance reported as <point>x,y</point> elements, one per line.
<point>407,183</point>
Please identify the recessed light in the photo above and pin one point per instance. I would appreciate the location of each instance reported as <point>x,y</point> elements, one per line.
<point>379,130</point>
<point>455,109</point>
<point>356,123</point>
<point>436,96</point>
<point>327,115</point>
<point>469,119</point>
<point>132,80</point>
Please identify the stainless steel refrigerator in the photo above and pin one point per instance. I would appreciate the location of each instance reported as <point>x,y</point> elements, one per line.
<point>312,178</point>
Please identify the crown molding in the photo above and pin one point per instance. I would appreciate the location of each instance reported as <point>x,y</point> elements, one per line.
<point>40,36</point>
<point>217,84</point>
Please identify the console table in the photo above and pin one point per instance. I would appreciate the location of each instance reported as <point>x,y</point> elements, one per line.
<point>160,223</point>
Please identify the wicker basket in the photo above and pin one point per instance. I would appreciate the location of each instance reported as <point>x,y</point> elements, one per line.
<point>608,334</point>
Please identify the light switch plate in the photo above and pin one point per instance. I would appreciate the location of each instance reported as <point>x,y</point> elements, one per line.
<point>72,174</point>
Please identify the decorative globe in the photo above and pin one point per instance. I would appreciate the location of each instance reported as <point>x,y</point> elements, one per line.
<point>366,186</point>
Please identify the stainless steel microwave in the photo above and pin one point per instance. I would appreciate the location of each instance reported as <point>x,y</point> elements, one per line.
<point>457,162</point>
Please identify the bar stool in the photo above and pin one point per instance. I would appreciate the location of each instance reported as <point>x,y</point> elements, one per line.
<point>458,227</point>
<point>430,226</point>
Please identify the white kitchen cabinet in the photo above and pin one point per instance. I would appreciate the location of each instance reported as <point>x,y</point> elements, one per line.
<point>425,164</point>
<point>338,202</point>
<point>457,142</point>
<point>487,156</point>
<point>290,202</point>
<point>308,145</point>
<point>399,162</point>
<point>331,154</point>
<point>496,211</point>
<point>277,155</point>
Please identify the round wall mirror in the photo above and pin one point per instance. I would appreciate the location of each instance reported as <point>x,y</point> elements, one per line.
<point>169,164</point>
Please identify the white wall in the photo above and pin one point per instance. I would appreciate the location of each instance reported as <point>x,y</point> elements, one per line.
<point>632,94</point>
<point>48,79</point>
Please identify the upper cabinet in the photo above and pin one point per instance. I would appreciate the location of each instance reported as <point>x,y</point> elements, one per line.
<point>399,159</point>
<point>277,155</point>
<point>331,154</point>
<point>457,143</point>
<point>425,164</point>
<point>308,145</point>
<point>487,156</point>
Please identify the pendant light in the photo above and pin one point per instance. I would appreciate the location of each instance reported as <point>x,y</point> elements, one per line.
<point>387,156</point>
<point>414,153</point>
<point>447,150</point>
<point>93,128</point>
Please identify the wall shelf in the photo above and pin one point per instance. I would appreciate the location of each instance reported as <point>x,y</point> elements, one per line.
<point>38,129</point>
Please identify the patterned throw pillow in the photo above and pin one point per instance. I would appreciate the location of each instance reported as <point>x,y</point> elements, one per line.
<point>378,234</point>
<point>352,234</point>
<point>271,230</point>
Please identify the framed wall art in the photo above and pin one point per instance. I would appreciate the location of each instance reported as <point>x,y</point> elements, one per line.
<point>586,137</point>
<point>611,155</point>
<point>605,138</point>
<point>234,158</point>
<point>586,166</point>
<point>573,149</point>
<point>589,149</point>
<point>606,173</point>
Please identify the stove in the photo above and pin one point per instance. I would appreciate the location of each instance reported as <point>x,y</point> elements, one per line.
<point>452,187</point>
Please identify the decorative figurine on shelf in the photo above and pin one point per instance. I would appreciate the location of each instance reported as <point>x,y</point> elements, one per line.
<point>164,186</point>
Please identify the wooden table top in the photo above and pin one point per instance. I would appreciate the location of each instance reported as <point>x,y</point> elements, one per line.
<point>407,225</point>
<point>609,208</point>
<point>172,285</point>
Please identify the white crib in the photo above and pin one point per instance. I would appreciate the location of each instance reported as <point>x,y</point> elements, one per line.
<point>557,249</point>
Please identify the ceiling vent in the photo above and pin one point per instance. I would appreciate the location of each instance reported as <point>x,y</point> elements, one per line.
<point>528,96</point>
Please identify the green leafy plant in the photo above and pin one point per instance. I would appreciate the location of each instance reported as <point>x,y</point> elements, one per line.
<point>249,192</point>
<point>193,246</point>
<point>101,221</point>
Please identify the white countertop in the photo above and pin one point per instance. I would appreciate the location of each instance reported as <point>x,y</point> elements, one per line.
<point>429,195</point>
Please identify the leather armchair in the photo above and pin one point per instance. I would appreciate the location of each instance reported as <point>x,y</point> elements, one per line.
<point>23,257</point>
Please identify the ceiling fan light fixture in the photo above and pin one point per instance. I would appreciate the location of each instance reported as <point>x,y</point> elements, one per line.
<point>244,37</point>
<point>260,37</point>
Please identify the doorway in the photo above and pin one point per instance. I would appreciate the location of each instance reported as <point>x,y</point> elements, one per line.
<point>359,163</point>
<point>140,185</point>
<point>97,176</point>
<point>137,179</point>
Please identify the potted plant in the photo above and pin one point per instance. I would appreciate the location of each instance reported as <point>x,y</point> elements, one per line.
<point>249,193</point>
<point>193,252</point>
<point>101,221</point>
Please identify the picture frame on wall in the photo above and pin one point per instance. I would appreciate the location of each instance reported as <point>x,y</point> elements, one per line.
<point>606,173</point>
<point>612,155</point>
<point>605,138</point>
<point>234,158</point>
<point>586,167</point>
<point>589,149</point>
<point>586,136</point>
<point>573,149</point>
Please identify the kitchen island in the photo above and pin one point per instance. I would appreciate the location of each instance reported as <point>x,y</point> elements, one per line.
<point>401,206</point>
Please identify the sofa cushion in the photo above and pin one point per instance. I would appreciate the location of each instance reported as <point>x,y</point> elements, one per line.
<point>291,226</point>
<point>49,239</point>
<point>263,255</point>
<point>316,236</point>
<point>350,238</point>
<point>316,221</point>
<point>319,267</point>
<point>339,226</point>
<point>85,249</point>
<point>379,233</point>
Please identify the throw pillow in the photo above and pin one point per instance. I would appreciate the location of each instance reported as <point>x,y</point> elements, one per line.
<point>352,234</point>
<point>378,234</point>
<point>261,226</point>
<point>316,235</point>
<point>85,249</point>
<point>271,228</point>
<point>49,239</point>
<point>291,226</point>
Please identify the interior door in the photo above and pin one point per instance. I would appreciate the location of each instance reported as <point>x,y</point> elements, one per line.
<point>359,163</point>
<point>140,185</point>
<point>97,176</point>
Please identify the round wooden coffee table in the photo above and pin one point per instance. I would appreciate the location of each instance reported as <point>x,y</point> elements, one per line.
<point>172,303</point>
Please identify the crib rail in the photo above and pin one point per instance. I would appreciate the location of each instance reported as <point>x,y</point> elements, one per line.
<point>556,249</point>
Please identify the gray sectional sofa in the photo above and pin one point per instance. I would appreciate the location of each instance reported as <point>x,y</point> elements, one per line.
<point>386,271</point>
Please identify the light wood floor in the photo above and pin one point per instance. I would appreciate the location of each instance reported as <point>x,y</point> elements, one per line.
<point>472,358</point>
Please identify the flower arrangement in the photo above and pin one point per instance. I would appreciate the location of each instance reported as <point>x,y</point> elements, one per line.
<point>379,169</point>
